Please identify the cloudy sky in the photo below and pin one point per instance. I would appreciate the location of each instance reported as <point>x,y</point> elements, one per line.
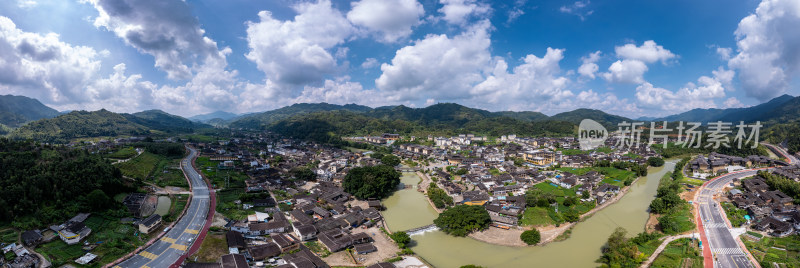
<point>632,58</point>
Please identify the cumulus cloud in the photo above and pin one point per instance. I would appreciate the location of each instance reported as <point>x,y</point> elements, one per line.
<point>633,62</point>
<point>369,63</point>
<point>589,66</point>
<point>438,66</point>
<point>165,29</point>
<point>458,12</point>
<point>724,53</point>
<point>537,80</point>
<point>578,8</point>
<point>648,52</point>
<point>768,49</point>
<point>298,51</point>
<point>732,103</point>
<point>700,95</point>
<point>626,71</point>
<point>393,19</point>
<point>44,67</point>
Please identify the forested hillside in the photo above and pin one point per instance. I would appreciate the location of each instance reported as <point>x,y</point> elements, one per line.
<point>44,184</point>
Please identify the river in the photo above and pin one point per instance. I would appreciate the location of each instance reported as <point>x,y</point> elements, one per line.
<point>408,208</point>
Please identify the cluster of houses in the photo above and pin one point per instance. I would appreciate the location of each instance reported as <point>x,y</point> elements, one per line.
<point>771,211</point>
<point>716,163</point>
<point>22,257</point>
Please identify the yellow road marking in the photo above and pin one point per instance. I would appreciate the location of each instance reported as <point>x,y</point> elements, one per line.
<point>169,240</point>
<point>145,266</point>
<point>178,247</point>
<point>192,231</point>
<point>148,255</point>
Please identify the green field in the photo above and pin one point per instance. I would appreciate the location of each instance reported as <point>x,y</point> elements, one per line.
<point>536,216</point>
<point>680,253</point>
<point>142,166</point>
<point>612,175</point>
<point>8,236</point>
<point>226,206</point>
<point>212,248</point>
<point>112,238</point>
<point>768,250</point>
<point>123,153</point>
<point>218,177</point>
<point>169,173</point>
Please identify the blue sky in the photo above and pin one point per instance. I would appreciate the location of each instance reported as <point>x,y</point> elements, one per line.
<point>633,58</point>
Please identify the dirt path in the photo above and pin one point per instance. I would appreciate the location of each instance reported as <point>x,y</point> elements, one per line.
<point>661,247</point>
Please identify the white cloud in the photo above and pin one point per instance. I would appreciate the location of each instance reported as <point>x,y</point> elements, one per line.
<point>119,92</point>
<point>633,62</point>
<point>341,91</point>
<point>724,53</point>
<point>369,63</point>
<point>648,52</point>
<point>516,11</point>
<point>165,29</point>
<point>44,67</point>
<point>458,12</point>
<point>535,82</point>
<point>589,66</point>
<point>578,8</point>
<point>26,4</point>
<point>732,103</point>
<point>768,49</point>
<point>297,52</point>
<point>700,95</point>
<point>626,71</point>
<point>393,19</point>
<point>438,66</point>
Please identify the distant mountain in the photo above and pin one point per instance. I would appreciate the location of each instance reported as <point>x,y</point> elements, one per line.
<point>609,121</point>
<point>214,115</point>
<point>775,109</point>
<point>79,124</point>
<point>524,116</point>
<point>261,120</point>
<point>103,123</point>
<point>162,121</point>
<point>18,110</point>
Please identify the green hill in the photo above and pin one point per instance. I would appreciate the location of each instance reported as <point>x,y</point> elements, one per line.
<point>262,120</point>
<point>609,121</point>
<point>79,124</point>
<point>18,110</point>
<point>162,121</point>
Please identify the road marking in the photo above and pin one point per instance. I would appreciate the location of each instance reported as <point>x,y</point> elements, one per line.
<point>727,251</point>
<point>145,266</point>
<point>179,247</point>
<point>192,231</point>
<point>169,240</point>
<point>148,255</point>
<point>717,225</point>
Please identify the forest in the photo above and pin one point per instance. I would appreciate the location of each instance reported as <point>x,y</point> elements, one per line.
<point>45,184</point>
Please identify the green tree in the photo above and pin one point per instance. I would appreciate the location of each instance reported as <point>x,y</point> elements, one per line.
<point>655,161</point>
<point>390,160</point>
<point>401,238</point>
<point>572,216</point>
<point>98,200</point>
<point>304,174</point>
<point>462,220</point>
<point>619,251</point>
<point>371,182</point>
<point>531,237</point>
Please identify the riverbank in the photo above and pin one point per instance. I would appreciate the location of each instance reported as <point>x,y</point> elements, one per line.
<point>549,233</point>
<point>423,188</point>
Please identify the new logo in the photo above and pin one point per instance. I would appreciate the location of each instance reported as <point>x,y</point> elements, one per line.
<point>591,134</point>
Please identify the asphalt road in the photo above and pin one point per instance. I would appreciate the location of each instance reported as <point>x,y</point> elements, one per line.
<point>722,243</point>
<point>171,246</point>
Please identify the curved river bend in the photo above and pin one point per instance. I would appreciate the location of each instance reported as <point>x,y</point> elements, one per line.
<point>408,208</point>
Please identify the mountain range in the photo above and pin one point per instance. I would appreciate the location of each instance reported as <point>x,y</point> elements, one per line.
<point>29,118</point>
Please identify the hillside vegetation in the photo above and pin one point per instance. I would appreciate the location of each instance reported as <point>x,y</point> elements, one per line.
<point>44,184</point>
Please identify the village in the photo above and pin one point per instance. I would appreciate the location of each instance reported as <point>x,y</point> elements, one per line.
<point>281,201</point>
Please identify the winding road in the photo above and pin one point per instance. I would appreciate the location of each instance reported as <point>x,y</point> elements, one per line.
<point>178,241</point>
